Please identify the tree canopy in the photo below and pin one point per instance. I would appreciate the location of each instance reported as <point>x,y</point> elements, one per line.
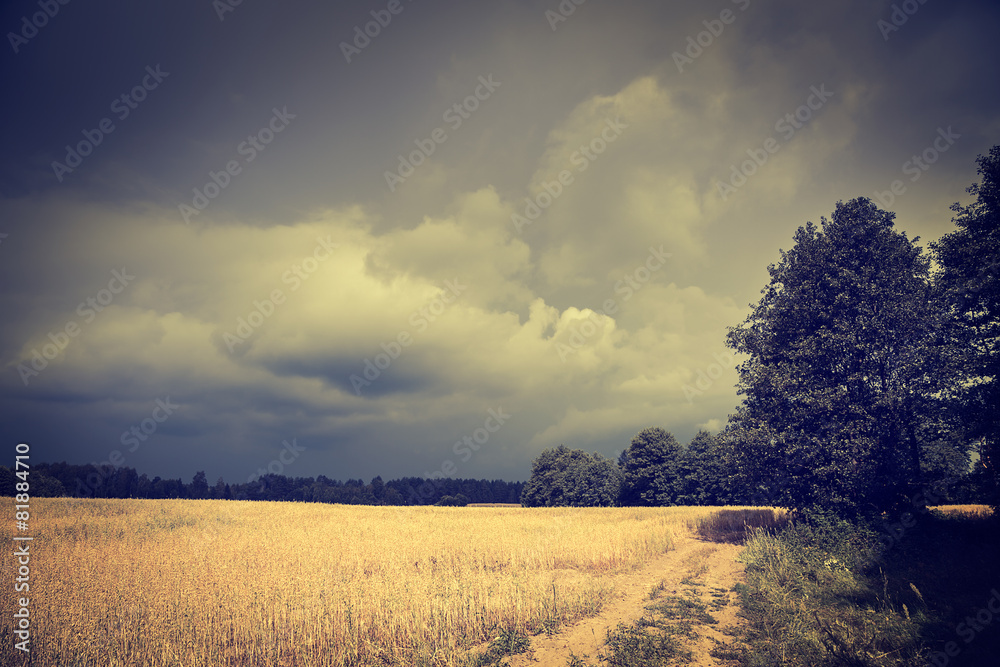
<point>969,280</point>
<point>564,477</point>
<point>702,476</point>
<point>837,386</point>
<point>650,468</point>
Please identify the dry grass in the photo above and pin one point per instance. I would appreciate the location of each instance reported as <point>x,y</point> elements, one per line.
<point>971,511</point>
<point>734,525</point>
<point>219,583</point>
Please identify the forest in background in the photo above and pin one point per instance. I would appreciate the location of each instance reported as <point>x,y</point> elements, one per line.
<point>90,481</point>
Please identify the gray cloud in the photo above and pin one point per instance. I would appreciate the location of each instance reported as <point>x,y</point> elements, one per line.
<point>523,334</point>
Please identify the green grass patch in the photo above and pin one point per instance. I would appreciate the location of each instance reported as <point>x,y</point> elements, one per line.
<point>660,637</point>
<point>687,609</point>
<point>506,644</point>
<point>720,598</point>
<point>658,590</point>
<point>647,644</point>
<point>825,594</point>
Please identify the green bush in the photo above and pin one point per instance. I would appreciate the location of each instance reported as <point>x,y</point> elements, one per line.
<point>453,501</point>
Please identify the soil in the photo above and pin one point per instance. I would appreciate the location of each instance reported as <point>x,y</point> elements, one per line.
<point>710,564</point>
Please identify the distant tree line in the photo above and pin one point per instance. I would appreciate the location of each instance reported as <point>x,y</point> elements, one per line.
<point>90,481</point>
<point>657,471</point>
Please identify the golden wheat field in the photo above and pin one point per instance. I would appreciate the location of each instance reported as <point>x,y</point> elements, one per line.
<point>120,583</point>
<point>972,511</point>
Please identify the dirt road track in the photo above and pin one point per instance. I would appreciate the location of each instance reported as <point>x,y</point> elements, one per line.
<point>711,564</point>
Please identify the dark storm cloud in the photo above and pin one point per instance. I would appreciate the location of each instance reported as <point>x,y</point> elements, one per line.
<point>205,97</point>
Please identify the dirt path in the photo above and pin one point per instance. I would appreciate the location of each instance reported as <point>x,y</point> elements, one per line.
<point>707,563</point>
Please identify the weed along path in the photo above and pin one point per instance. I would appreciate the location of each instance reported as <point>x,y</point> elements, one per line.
<point>695,575</point>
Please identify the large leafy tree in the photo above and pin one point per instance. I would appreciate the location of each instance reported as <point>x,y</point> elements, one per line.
<point>969,278</point>
<point>841,370</point>
<point>702,478</point>
<point>571,477</point>
<point>650,469</point>
<point>198,488</point>
<point>592,481</point>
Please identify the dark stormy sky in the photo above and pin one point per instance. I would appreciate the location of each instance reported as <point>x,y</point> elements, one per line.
<point>551,211</point>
